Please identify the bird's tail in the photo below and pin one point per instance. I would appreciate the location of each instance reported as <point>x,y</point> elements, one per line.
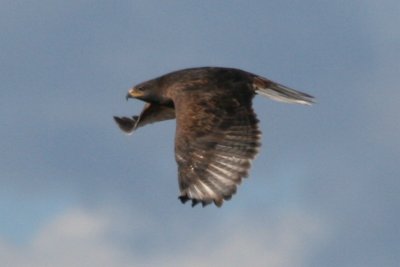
<point>279,92</point>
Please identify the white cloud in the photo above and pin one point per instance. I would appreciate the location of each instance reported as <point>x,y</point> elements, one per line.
<point>82,238</point>
<point>77,238</point>
<point>287,242</point>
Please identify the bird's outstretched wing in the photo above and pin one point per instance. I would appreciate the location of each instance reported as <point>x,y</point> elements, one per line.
<point>151,113</point>
<point>216,139</point>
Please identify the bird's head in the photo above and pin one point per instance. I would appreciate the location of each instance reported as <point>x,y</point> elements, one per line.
<point>141,91</point>
<point>151,91</point>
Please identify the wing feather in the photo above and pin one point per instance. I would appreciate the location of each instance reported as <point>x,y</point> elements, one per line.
<point>151,113</point>
<point>217,137</point>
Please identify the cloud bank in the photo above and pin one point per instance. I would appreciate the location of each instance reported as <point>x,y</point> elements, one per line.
<point>85,239</point>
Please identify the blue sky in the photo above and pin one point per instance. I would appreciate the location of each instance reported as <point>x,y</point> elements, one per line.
<point>75,191</point>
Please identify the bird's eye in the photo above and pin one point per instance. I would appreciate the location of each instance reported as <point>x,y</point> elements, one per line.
<point>140,88</point>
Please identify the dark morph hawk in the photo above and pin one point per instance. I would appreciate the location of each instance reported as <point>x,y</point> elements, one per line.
<point>217,134</point>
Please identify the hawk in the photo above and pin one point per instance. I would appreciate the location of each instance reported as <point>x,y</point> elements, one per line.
<point>217,134</point>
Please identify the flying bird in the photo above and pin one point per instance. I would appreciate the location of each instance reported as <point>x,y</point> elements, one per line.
<point>217,134</point>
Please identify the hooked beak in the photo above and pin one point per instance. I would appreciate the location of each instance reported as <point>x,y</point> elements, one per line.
<point>133,93</point>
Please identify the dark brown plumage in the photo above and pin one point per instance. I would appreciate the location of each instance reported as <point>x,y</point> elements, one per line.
<point>217,134</point>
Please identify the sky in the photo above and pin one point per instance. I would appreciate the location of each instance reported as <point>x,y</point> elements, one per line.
<point>75,191</point>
